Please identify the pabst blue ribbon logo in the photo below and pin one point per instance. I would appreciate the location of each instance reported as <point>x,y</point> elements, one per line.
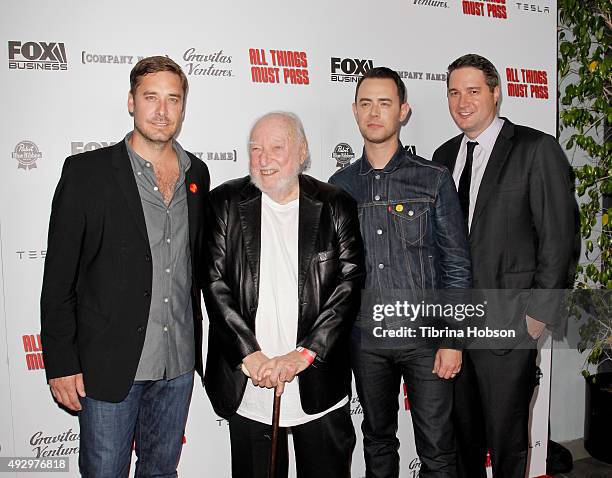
<point>26,153</point>
<point>343,154</point>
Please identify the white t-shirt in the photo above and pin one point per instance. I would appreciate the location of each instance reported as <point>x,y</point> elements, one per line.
<point>276,321</point>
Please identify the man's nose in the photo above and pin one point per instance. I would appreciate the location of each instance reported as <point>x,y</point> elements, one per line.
<point>162,108</point>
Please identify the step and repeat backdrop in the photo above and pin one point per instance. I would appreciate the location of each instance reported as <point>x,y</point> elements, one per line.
<point>64,70</point>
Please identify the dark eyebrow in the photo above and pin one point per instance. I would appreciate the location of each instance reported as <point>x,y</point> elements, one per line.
<point>370,99</point>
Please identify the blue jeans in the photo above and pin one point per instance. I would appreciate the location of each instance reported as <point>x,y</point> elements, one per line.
<point>153,414</point>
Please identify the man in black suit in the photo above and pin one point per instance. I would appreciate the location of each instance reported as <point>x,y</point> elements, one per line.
<point>516,194</point>
<point>282,292</point>
<point>120,304</point>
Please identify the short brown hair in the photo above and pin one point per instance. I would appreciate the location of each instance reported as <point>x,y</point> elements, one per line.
<point>154,64</point>
<point>384,73</point>
<point>472,60</point>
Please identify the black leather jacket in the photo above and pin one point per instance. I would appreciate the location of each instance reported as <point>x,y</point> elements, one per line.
<point>331,269</point>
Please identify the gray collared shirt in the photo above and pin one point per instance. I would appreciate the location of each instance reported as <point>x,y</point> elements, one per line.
<point>169,347</point>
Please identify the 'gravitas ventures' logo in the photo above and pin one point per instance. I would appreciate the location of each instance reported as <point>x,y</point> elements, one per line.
<point>349,70</point>
<point>37,56</point>
<point>215,63</point>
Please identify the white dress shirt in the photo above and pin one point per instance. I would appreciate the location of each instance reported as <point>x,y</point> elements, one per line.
<point>482,153</point>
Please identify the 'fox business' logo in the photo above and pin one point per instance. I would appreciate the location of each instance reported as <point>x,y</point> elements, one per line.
<point>349,70</point>
<point>37,56</point>
<point>77,147</point>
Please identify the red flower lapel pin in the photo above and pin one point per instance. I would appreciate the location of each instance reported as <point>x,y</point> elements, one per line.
<point>193,187</point>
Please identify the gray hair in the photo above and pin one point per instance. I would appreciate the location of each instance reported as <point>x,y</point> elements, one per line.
<point>296,132</point>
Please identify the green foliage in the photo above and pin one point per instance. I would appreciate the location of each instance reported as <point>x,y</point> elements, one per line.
<point>585,73</point>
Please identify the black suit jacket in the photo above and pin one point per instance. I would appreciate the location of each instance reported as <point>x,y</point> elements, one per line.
<point>524,232</point>
<point>98,273</point>
<point>331,268</point>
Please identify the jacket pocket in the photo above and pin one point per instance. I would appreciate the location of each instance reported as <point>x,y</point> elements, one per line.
<point>410,221</point>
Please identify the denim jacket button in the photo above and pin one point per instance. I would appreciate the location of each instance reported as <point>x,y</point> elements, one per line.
<point>377,198</point>
<point>381,266</point>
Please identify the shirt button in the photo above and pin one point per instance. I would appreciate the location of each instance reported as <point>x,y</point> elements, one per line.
<point>168,240</point>
<point>379,232</point>
<point>167,211</point>
<point>155,188</point>
<point>139,173</point>
<point>377,198</point>
<point>148,165</point>
<point>165,329</point>
<point>377,176</point>
<point>167,271</point>
<point>166,299</point>
<point>381,266</point>
<point>411,213</point>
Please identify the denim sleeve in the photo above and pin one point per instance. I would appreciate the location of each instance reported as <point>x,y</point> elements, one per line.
<point>451,237</point>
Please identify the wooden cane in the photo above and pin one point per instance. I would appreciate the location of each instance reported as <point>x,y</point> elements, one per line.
<point>275,421</point>
<point>274,445</point>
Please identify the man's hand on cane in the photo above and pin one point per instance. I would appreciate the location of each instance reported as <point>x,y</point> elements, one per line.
<point>275,372</point>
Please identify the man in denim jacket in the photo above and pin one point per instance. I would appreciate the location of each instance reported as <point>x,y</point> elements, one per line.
<point>415,241</point>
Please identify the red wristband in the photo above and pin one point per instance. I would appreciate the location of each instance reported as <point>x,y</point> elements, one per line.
<point>307,354</point>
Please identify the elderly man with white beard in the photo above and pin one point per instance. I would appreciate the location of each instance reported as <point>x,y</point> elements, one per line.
<point>282,292</point>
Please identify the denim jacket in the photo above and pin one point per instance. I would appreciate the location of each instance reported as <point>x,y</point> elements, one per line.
<point>413,230</point>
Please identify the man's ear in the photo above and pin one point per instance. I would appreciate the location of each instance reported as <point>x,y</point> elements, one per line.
<point>130,104</point>
<point>404,110</point>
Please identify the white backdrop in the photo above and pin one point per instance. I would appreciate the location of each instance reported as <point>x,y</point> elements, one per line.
<point>64,69</point>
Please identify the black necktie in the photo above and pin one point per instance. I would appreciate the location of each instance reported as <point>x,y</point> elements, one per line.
<point>466,180</point>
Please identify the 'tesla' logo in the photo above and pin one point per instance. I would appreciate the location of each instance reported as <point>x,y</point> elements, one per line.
<point>343,154</point>
<point>351,69</point>
<point>37,56</point>
<point>26,153</point>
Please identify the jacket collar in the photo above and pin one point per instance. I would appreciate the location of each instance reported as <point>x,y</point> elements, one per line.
<point>124,176</point>
<point>365,167</point>
<point>497,160</point>
<point>249,209</point>
<point>127,183</point>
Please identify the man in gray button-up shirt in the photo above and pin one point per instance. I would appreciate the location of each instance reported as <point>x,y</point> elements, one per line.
<point>120,306</point>
<point>168,350</point>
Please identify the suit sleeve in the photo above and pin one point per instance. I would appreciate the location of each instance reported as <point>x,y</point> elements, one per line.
<point>58,298</point>
<point>340,309</point>
<point>224,314</point>
<point>555,220</point>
